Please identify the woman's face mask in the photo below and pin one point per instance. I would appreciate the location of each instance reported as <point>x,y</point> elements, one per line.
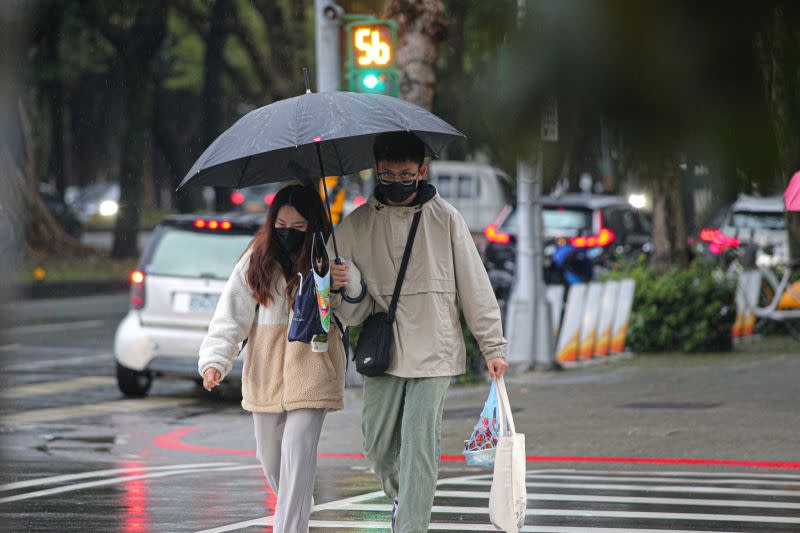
<point>291,239</point>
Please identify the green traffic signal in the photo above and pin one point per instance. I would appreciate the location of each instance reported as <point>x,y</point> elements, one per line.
<point>372,82</point>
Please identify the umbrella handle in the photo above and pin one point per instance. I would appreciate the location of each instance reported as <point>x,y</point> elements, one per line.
<point>357,299</point>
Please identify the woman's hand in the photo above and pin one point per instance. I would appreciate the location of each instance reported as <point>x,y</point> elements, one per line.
<point>339,276</point>
<point>211,378</point>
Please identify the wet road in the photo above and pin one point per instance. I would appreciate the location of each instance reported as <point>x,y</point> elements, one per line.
<point>79,457</point>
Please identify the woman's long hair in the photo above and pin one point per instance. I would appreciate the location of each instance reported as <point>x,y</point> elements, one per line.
<point>269,260</point>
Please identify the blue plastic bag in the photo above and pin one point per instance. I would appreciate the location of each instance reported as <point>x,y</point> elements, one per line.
<point>306,323</point>
<point>479,448</point>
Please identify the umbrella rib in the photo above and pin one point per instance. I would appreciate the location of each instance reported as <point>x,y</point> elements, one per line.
<point>244,169</point>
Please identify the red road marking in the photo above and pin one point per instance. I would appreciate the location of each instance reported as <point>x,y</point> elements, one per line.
<point>173,440</point>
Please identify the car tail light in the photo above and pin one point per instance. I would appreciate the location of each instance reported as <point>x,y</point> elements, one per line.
<point>137,289</point>
<point>199,223</point>
<point>717,241</point>
<point>237,198</point>
<point>226,225</point>
<point>269,198</point>
<point>213,224</point>
<point>359,201</point>
<point>604,238</point>
<point>493,234</point>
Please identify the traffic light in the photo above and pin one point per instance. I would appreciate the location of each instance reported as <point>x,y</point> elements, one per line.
<point>371,65</point>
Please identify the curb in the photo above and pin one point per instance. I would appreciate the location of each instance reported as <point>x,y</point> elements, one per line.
<point>66,289</point>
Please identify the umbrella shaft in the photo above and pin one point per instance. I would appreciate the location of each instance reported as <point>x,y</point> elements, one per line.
<point>327,203</point>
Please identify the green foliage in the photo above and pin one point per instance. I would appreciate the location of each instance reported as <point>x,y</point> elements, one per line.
<point>690,310</point>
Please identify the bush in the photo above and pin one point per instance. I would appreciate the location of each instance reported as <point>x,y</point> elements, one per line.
<point>688,310</point>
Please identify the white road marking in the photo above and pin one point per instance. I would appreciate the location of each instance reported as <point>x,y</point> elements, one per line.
<point>56,387</point>
<point>8,347</point>
<point>592,513</point>
<point>663,479</point>
<point>627,499</point>
<point>56,326</point>
<point>651,488</point>
<point>764,475</point>
<point>27,418</point>
<point>47,364</point>
<point>122,479</point>
<point>359,503</point>
<point>53,480</point>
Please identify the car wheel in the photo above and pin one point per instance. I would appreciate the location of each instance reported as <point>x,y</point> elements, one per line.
<point>133,383</point>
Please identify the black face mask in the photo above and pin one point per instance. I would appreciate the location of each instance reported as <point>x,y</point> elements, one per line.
<point>397,193</point>
<point>291,239</point>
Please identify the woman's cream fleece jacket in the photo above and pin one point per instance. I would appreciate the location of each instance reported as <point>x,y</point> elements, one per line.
<point>277,375</point>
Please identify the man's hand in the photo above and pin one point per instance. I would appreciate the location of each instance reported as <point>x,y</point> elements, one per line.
<point>497,367</point>
<point>339,276</point>
<point>211,378</point>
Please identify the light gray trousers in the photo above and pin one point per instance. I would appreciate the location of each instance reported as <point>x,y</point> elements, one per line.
<point>286,445</point>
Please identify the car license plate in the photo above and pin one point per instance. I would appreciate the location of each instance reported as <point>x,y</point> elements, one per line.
<point>195,302</point>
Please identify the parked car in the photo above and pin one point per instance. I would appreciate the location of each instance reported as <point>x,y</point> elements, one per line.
<point>758,222</point>
<point>582,235</point>
<point>254,199</point>
<point>477,190</point>
<point>66,217</point>
<point>97,204</point>
<point>174,291</point>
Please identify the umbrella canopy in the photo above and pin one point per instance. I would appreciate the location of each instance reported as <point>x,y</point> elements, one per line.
<point>280,141</point>
<point>792,194</point>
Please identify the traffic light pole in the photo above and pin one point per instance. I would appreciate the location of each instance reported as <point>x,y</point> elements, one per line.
<point>528,328</point>
<point>326,43</point>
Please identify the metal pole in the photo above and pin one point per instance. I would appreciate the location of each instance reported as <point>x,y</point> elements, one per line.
<point>326,26</point>
<point>521,313</point>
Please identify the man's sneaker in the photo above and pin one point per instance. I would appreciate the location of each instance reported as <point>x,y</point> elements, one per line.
<point>394,516</point>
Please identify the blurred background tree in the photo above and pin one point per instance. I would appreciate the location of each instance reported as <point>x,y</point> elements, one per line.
<point>647,92</point>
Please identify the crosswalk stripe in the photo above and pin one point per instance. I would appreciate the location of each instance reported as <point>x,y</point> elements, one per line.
<point>34,416</point>
<point>592,513</point>
<point>628,499</point>
<point>53,480</point>
<point>761,475</point>
<point>336,525</point>
<point>668,480</point>
<point>650,488</point>
<point>56,387</point>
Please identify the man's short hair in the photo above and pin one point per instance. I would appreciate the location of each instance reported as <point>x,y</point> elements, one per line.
<point>398,147</point>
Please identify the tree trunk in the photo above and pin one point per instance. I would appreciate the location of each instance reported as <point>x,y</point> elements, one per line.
<point>778,47</point>
<point>421,25</point>
<point>452,98</point>
<point>214,64</point>
<point>31,224</point>
<point>669,218</point>
<point>139,47</point>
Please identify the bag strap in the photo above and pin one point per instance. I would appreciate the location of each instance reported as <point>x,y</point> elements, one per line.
<point>504,410</point>
<point>406,256</point>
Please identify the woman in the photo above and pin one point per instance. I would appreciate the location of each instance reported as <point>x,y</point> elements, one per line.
<point>286,386</point>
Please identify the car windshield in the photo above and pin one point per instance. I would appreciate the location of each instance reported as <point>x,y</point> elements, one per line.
<point>759,220</point>
<point>558,221</point>
<point>98,191</point>
<point>193,254</point>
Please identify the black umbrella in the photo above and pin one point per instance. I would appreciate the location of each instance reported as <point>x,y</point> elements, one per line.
<point>315,134</point>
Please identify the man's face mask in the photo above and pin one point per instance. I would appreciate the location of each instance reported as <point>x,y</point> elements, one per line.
<point>291,239</point>
<point>397,188</point>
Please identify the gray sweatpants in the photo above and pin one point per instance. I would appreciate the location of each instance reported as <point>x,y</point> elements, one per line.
<point>286,445</point>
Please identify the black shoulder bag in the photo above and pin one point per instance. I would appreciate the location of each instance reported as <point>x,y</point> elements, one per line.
<point>373,351</point>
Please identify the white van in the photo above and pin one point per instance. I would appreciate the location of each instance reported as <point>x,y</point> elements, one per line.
<point>479,191</point>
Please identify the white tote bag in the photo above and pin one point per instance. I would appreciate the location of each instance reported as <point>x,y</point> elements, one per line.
<point>508,498</point>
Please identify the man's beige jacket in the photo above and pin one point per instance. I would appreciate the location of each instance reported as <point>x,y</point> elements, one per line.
<point>445,269</point>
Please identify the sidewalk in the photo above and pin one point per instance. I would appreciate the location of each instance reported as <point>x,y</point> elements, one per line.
<point>740,406</point>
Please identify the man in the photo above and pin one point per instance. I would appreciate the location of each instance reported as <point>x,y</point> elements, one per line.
<point>403,409</point>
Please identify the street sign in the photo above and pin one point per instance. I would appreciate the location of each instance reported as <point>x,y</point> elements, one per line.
<point>550,120</point>
<point>371,50</point>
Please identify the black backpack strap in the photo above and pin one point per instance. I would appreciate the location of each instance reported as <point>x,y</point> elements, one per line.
<point>404,264</point>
